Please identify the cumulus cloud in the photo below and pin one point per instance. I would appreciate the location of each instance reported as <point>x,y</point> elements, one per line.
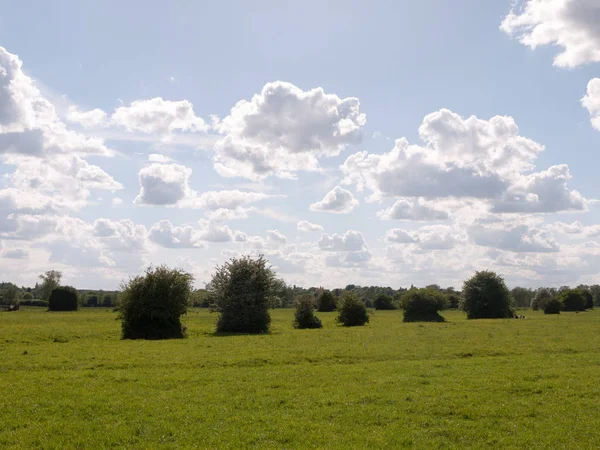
<point>283,130</point>
<point>87,119</point>
<point>573,25</point>
<point>163,184</point>
<point>400,236</point>
<point>515,238</point>
<point>414,210</point>
<point>338,200</point>
<point>308,227</point>
<point>165,234</point>
<point>465,158</point>
<point>15,253</point>
<point>591,102</point>
<point>350,241</point>
<point>158,116</point>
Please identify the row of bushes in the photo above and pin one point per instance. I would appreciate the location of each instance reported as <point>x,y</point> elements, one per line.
<point>568,300</point>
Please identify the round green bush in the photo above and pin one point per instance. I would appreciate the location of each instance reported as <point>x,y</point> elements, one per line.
<point>553,306</point>
<point>541,298</point>
<point>326,302</point>
<point>305,316</point>
<point>353,312</point>
<point>240,290</point>
<point>63,298</point>
<point>27,296</point>
<point>485,296</point>
<point>589,299</point>
<point>151,305</point>
<point>423,305</point>
<point>572,300</point>
<point>384,302</point>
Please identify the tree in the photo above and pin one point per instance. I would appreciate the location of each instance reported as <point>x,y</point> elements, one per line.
<point>63,298</point>
<point>305,316</point>
<point>108,301</point>
<point>151,305</point>
<point>552,306</point>
<point>572,300</point>
<point>541,298</point>
<point>92,301</point>
<point>11,294</point>
<point>453,300</point>
<point>353,311</point>
<point>27,296</point>
<point>384,302</point>
<point>240,290</point>
<point>522,297</point>
<point>485,296</point>
<point>50,281</point>
<point>423,305</point>
<point>326,302</point>
<point>589,299</point>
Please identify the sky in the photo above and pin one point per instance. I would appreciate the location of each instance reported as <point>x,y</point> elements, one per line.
<point>382,143</point>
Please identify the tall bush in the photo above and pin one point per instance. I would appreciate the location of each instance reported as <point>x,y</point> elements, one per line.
<point>326,302</point>
<point>572,300</point>
<point>151,305</point>
<point>552,306</point>
<point>384,302</point>
<point>305,316</point>
<point>485,296</point>
<point>588,298</point>
<point>240,290</point>
<point>423,305</point>
<point>352,312</point>
<point>63,298</point>
<point>541,298</point>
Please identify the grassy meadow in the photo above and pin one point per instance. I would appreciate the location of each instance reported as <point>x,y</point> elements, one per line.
<point>67,381</point>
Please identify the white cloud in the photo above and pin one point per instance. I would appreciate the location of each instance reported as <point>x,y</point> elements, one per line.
<point>573,25</point>
<point>400,236</point>
<point>163,184</point>
<point>413,210</point>
<point>15,253</point>
<point>165,234</point>
<point>158,158</point>
<point>591,102</point>
<point>87,119</point>
<point>117,201</point>
<point>576,229</point>
<point>158,116</point>
<point>467,159</point>
<point>350,241</point>
<point>308,227</point>
<point>515,238</point>
<point>276,237</point>
<point>338,200</point>
<point>283,130</point>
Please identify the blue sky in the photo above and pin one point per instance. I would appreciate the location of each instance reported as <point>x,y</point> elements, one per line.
<point>473,194</point>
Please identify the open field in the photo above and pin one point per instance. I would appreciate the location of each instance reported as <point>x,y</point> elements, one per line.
<point>68,381</point>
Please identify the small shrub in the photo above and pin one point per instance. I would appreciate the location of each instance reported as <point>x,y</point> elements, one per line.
<point>326,302</point>
<point>572,300</point>
<point>240,290</point>
<point>353,312</point>
<point>485,296</point>
<point>63,298</point>
<point>305,316</point>
<point>151,305</point>
<point>553,306</point>
<point>423,305</point>
<point>384,302</point>
<point>541,298</point>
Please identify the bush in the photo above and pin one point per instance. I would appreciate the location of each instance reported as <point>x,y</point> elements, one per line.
<point>27,296</point>
<point>453,300</point>
<point>34,302</point>
<point>304,316</point>
<point>63,298</point>
<point>353,312</point>
<point>151,305</point>
<point>485,296</point>
<point>326,302</point>
<point>423,305</point>
<point>240,290</point>
<point>589,299</point>
<point>541,298</point>
<point>553,306</point>
<point>572,300</point>
<point>384,302</point>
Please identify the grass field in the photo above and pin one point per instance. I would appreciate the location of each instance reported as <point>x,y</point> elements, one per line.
<point>68,381</point>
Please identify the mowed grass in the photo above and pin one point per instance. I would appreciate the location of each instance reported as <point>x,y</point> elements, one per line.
<point>68,381</point>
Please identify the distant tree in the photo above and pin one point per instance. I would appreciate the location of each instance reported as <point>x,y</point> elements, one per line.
<point>542,296</point>
<point>11,294</point>
<point>572,300</point>
<point>522,297</point>
<point>384,302</point>
<point>589,299</point>
<point>50,281</point>
<point>151,305</point>
<point>552,306</point>
<point>435,287</point>
<point>107,301</point>
<point>350,287</point>
<point>240,290</point>
<point>305,316</point>
<point>595,290</point>
<point>92,301</point>
<point>63,298</point>
<point>423,305</point>
<point>353,311</point>
<point>485,296</point>
<point>453,300</point>
<point>200,298</point>
<point>326,302</point>
<point>27,296</point>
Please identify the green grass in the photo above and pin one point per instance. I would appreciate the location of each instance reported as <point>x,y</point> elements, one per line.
<point>68,381</point>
